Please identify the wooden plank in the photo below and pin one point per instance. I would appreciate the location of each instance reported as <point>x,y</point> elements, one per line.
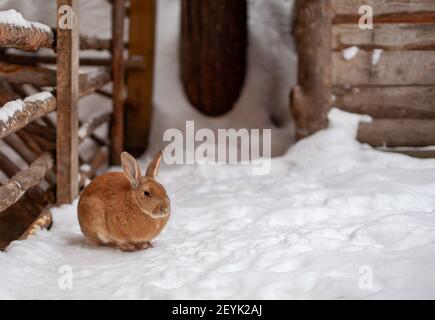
<point>91,82</point>
<point>14,189</point>
<point>43,221</point>
<point>67,160</point>
<point>90,169</point>
<point>385,36</point>
<point>412,152</point>
<point>94,43</point>
<point>311,98</point>
<point>89,127</point>
<point>393,68</point>
<point>387,102</point>
<point>140,82</point>
<point>118,74</point>
<point>18,74</point>
<point>397,132</point>
<point>17,114</point>
<point>410,11</point>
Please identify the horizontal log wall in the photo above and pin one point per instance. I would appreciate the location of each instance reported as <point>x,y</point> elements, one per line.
<point>346,11</point>
<point>385,36</point>
<point>388,102</point>
<point>393,68</point>
<point>398,132</point>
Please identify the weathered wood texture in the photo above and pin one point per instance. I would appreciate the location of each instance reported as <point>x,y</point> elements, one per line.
<point>67,162</point>
<point>385,36</point>
<point>386,10</point>
<point>15,188</point>
<point>388,102</point>
<point>118,75</point>
<point>89,83</point>
<point>30,39</point>
<point>31,110</point>
<point>311,99</point>
<point>19,74</point>
<point>140,81</point>
<point>213,53</point>
<point>89,127</point>
<point>94,43</point>
<point>96,162</point>
<point>393,68</point>
<point>43,221</point>
<point>398,132</point>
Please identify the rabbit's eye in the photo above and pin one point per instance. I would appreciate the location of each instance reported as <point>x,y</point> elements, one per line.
<point>147,194</point>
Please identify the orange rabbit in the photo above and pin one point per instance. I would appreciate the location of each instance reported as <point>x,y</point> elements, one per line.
<point>125,210</point>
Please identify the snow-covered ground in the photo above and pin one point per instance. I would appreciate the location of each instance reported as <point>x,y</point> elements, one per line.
<point>330,209</point>
<point>331,214</point>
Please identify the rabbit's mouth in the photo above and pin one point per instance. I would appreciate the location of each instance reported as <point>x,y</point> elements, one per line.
<point>160,212</point>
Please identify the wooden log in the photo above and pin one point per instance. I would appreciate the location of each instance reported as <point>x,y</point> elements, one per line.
<point>31,37</point>
<point>29,141</point>
<point>19,74</point>
<point>398,132</point>
<point>213,41</point>
<point>67,152</point>
<point>93,81</point>
<point>88,128</point>
<point>385,36</point>
<point>17,114</point>
<point>14,142</point>
<point>407,11</point>
<point>43,221</point>
<point>140,81</point>
<point>133,63</point>
<point>388,102</point>
<point>36,197</point>
<point>14,189</point>
<point>94,43</point>
<point>311,99</point>
<point>393,68</point>
<point>118,70</point>
<point>42,131</point>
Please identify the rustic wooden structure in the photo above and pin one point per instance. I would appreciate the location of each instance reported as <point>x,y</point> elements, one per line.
<point>50,146</point>
<point>390,75</point>
<point>213,53</point>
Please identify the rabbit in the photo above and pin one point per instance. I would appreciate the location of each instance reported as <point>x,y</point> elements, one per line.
<point>125,210</point>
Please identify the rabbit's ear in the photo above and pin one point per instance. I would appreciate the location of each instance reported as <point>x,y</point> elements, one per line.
<point>131,169</point>
<point>153,167</point>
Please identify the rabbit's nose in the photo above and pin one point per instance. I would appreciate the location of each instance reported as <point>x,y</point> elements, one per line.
<point>164,210</point>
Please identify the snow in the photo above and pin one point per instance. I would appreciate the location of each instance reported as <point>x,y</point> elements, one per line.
<point>350,53</point>
<point>8,110</point>
<point>331,212</point>
<point>330,208</point>
<point>15,18</point>
<point>376,56</point>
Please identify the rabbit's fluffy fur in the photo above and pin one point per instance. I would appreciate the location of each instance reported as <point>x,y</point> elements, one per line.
<point>125,210</point>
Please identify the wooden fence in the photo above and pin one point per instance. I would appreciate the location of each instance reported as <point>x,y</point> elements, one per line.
<point>50,145</point>
<point>390,75</point>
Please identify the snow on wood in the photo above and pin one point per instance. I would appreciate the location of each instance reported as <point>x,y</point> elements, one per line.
<point>376,56</point>
<point>18,185</point>
<point>17,114</point>
<point>350,53</point>
<point>17,32</point>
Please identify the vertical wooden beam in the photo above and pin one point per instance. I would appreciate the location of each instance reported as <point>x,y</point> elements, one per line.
<point>140,82</point>
<point>311,99</point>
<point>67,160</point>
<point>117,123</point>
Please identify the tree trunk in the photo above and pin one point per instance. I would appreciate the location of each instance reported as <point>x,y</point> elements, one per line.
<point>213,53</point>
<point>311,99</point>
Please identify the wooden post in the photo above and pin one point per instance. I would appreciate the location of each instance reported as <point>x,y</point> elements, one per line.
<point>67,160</point>
<point>117,124</point>
<point>213,48</point>
<point>140,81</point>
<point>311,99</point>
